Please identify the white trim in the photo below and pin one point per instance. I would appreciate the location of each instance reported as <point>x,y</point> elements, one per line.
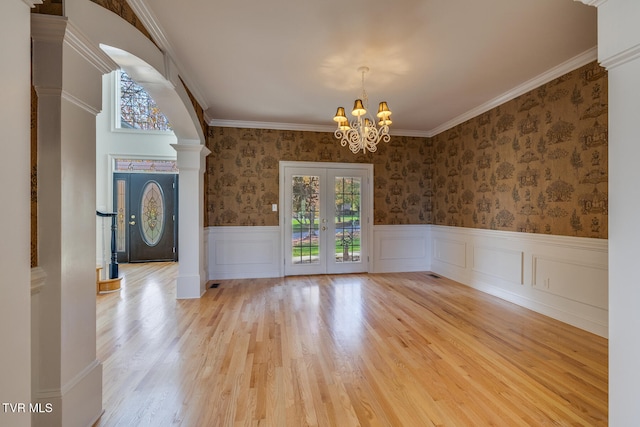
<point>596,3</point>
<point>301,127</point>
<point>151,23</point>
<point>79,103</point>
<point>561,277</point>
<point>48,28</point>
<point>271,125</point>
<point>57,393</point>
<point>88,50</point>
<point>621,58</point>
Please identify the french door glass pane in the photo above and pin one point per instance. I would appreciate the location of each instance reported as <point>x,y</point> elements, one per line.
<point>305,217</point>
<point>347,219</point>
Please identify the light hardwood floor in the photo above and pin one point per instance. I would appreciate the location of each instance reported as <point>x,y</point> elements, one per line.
<point>347,350</point>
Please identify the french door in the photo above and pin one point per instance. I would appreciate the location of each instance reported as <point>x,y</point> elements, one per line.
<point>325,217</point>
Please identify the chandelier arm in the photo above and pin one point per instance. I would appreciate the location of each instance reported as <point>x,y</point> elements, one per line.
<point>362,133</point>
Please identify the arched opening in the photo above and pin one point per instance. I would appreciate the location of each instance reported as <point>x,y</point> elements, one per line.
<point>187,138</point>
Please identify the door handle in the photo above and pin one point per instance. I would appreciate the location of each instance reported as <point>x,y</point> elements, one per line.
<point>132,223</point>
<point>323,228</point>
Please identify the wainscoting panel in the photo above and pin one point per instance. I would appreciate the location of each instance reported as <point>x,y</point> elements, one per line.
<point>398,248</point>
<point>243,252</point>
<point>575,280</point>
<point>562,277</point>
<point>450,251</point>
<point>505,264</point>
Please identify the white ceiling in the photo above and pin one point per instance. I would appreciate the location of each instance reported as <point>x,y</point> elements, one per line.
<point>289,64</point>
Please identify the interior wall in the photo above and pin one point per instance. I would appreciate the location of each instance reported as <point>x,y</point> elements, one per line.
<point>619,52</point>
<point>242,174</point>
<point>15,298</point>
<point>538,163</point>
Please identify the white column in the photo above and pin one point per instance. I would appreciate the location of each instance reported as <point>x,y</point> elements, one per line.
<point>192,268</point>
<point>619,52</point>
<point>15,355</point>
<point>67,75</point>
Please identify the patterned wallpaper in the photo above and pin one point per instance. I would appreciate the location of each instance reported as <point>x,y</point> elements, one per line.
<point>535,164</point>
<point>242,174</point>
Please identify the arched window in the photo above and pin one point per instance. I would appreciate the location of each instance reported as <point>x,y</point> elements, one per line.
<point>137,109</point>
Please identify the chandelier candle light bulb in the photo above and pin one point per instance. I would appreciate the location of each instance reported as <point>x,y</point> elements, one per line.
<point>361,133</point>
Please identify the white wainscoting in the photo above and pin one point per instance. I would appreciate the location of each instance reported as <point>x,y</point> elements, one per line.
<point>398,248</point>
<point>243,252</point>
<point>562,277</point>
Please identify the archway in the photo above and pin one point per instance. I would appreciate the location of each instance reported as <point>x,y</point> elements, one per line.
<point>68,65</point>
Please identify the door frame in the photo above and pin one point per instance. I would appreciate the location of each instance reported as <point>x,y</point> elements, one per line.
<point>367,210</point>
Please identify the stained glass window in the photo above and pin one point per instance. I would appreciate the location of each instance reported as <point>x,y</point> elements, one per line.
<point>137,109</point>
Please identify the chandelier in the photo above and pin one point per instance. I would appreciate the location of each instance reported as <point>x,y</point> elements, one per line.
<point>361,133</point>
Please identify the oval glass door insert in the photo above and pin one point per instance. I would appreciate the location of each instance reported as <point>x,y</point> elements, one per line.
<point>152,207</point>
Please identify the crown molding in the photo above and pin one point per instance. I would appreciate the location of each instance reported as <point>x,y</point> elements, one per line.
<point>80,103</point>
<point>150,22</point>
<point>623,57</point>
<point>411,133</point>
<point>48,28</point>
<point>553,73</point>
<point>32,3</point>
<point>58,29</point>
<point>596,3</point>
<point>271,125</point>
<point>301,127</point>
<point>89,51</point>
